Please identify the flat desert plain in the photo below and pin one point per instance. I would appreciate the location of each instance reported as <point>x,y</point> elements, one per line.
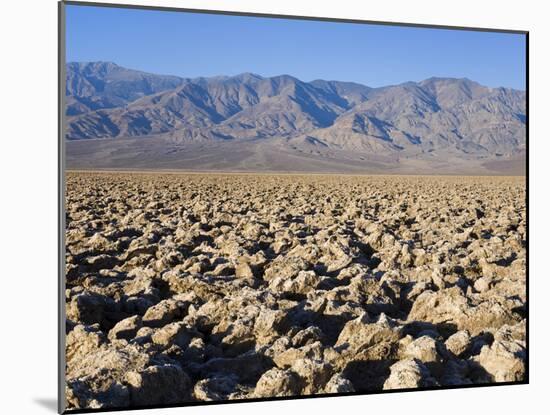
<point>196,287</point>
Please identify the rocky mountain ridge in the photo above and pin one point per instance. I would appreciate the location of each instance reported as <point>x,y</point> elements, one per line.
<point>105,100</point>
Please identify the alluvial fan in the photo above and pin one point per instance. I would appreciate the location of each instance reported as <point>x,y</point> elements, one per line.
<point>193,287</point>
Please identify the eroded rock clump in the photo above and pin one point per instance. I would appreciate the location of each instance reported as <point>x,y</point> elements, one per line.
<point>213,287</point>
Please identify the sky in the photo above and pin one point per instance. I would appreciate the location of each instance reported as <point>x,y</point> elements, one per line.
<point>193,44</point>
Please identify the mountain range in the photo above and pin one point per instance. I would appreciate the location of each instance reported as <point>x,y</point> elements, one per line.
<point>122,118</point>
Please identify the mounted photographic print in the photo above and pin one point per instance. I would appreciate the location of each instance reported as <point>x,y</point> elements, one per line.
<point>264,207</point>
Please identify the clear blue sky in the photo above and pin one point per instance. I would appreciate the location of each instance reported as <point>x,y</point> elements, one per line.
<point>192,45</point>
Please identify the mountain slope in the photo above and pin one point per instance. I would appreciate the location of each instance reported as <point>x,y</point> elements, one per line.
<point>437,118</point>
<point>96,85</point>
<point>457,115</point>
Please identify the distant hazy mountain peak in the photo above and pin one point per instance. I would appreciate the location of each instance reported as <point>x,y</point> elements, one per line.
<point>245,76</point>
<point>438,116</point>
<point>448,79</point>
<point>94,64</point>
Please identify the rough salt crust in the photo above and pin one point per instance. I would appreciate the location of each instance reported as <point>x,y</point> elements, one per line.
<point>215,286</point>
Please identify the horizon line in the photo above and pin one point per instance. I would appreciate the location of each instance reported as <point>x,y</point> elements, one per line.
<point>292,76</point>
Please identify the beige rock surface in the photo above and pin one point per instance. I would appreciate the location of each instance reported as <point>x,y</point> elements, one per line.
<point>185,287</point>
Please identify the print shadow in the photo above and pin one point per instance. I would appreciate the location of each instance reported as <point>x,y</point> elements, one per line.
<point>48,403</point>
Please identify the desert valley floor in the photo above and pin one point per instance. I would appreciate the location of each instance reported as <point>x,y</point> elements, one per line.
<point>193,287</point>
